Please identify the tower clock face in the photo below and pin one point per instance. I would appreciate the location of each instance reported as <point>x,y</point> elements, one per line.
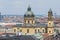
<point>50,24</point>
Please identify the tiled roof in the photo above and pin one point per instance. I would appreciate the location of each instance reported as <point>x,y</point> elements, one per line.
<point>52,37</point>
<point>19,19</point>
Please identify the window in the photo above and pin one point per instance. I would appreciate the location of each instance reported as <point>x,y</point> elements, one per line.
<point>49,23</point>
<point>20,30</point>
<point>27,30</point>
<point>28,21</point>
<point>49,31</point>
<point>38,30</point>
<point>32,22</point>
<point>14,30</point>
<point>35,31</point>
<point>43,31</point>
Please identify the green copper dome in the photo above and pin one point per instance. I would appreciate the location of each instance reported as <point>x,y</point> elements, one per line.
<point>29,13</point>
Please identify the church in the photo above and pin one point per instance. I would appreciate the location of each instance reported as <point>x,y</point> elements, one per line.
<point>31,27</point>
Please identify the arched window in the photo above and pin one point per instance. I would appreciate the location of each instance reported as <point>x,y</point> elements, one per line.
<point>14,30</point>
<point>20,30</point>
<point>32,21</point>
<point>28,21</point>
<point>38,30</point>
<point>49,31</point>
<point>27,30</point>
<point>35,30</point>
<point>49,24</point>
<point>43,31</point>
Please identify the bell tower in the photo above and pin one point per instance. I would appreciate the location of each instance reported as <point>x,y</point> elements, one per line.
<point>50,28</point>
<point>50,18</point>
<point>29,17</point>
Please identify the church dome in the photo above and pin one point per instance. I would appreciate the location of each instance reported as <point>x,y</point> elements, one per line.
<point>29,13</point>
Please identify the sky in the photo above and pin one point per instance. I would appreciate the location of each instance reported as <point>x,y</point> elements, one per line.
<point>19,7</point>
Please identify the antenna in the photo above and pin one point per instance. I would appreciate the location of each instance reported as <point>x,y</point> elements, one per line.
<point>55,15</point>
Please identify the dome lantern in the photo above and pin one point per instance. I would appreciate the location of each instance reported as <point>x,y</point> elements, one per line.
<point>29,13</point>
<point>29,8</point>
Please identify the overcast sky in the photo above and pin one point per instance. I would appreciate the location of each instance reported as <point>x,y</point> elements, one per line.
<point>19,7</point>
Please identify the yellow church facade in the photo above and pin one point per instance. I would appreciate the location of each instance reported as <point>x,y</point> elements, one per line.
<point>29,31</point>
<point>30,27</point>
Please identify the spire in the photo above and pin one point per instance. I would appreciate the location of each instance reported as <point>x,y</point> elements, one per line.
<point>50,12</point>
<point>29,8</point>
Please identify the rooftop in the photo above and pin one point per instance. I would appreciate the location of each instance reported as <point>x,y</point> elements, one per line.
<point>22,37</point>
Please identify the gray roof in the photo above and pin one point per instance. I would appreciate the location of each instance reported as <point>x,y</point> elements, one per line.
<point>32,26</point>
<point>22,37</point>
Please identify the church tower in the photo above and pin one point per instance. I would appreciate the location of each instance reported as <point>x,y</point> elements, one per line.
<point>29,17</point>
<point>50,28</point>
<point>50,18</point>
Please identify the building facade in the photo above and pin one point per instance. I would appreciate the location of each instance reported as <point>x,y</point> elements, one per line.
<point>30,26</point>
